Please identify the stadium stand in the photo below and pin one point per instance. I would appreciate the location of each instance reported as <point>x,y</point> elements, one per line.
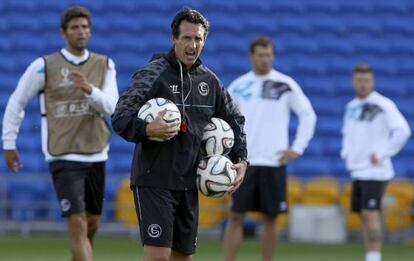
<point>317,42</point>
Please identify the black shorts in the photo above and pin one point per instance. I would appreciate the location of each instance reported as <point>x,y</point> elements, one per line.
<point>168,218</point>
<point>79,186</point>
<point>263,190</point>
<point>367,195</point>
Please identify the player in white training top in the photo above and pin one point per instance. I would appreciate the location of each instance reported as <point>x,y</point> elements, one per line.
<point>374,131</point>
<point>266,98</point>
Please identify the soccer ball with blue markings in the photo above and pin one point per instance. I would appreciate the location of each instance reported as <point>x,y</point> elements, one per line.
<point>218,138</point>
<point>214,176</point>
<point>152,107</point>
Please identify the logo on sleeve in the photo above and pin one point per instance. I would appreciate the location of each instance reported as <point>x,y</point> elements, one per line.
<point>154,231</point>
<point>203,88</point>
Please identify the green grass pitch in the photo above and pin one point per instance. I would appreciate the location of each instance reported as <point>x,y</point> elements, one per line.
<point>109,248</point>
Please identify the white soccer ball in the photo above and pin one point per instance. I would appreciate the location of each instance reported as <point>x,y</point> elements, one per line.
<point>152,107</point>
<point>218,138</point>
<point>214,175</point>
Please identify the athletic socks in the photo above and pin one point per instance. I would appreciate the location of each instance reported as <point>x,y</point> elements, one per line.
<point>373,256</point>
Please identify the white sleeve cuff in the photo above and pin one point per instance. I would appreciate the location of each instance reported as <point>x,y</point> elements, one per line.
<point>94,94</point>
<point>298,149</point>
<point>9,144</point>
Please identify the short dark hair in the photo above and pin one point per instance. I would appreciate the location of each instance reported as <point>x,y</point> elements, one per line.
<point>74,12</point>
<point>192,16</point>
<point>262,40</point>
<point>362,68</point>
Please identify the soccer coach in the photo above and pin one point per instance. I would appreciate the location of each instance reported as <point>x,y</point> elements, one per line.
<point>164,173</point>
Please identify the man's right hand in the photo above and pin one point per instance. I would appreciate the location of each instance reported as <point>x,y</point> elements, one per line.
<point>12,159</point>
<point>158,128</point>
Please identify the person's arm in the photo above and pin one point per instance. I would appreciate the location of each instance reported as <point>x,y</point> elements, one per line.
<point>227,110</point>
<point>400,132</point>
<point>104,100</point>
<point>345,141</point>
<point>30,83</point>
<point>302,107</point>
<point>124,120</point>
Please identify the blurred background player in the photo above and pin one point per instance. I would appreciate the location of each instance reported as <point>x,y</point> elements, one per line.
<point>77,89</point>
<point>163,173</point>
<point>374,130</point>
<point>266,97</point>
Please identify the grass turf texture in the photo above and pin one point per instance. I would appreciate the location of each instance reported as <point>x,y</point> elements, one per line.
<point>55,247</point>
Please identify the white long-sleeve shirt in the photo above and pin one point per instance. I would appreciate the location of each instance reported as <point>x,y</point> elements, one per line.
<point>32,81</point>
<point>372,125</point>
<point>266,101</point>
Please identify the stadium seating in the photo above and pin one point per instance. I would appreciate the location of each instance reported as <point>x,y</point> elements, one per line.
<point>321,190</point>
<point>353,220</point>
<point>398,200</point>
<point>317,42</point>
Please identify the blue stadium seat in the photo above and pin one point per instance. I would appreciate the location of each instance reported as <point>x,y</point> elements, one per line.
<point>321,6</point>
<point>398,25</point>
<point>338,168</point>
<point>21,6</point>
<point>124,6</point>
<point>256,7</point>
<point>392,7</point>
<point>221,22</point>
<point>370,46</point>
<point>257,24</point>
<point>119,163</point>
<point>33,162</point>
<point>391,86</point>
<point>19,21</point>
<point>28,143</point>
<point>333,146</point>
<point>322,86</point>
<point>111,187</point>
<point>119,22</point>
<point>316,147</point>
<point>356,6</point>
<point>28,42</point>
<point>301,45</point>
<point>401,45</point>
<point>49,21</point>
<point>218,5</point>
<point>329,126</point>
<point>24,196</point>
<point>327,24</point>
<point>308,67</point>
<point>363,24</point>
<point>327,106</point>
<point>336,45</point>
<point>405,67</point>
<point>308,166</point>
<point>289,24</point>
<point>287,7</point>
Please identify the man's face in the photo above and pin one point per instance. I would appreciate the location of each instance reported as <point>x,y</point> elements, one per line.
<point>262,59</point>
<point>77,33</point>
<point>189,43</point>
<point>363,84</point>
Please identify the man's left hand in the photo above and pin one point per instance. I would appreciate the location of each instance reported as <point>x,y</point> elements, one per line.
<point>80,81</point>
<point>288,155</point>
<point>240,168</point>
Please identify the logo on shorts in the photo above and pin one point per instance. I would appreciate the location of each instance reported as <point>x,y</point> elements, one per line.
<point>65,205</point>
<point>203,88</point>
<point>372,203</point>
<point>154,231</point>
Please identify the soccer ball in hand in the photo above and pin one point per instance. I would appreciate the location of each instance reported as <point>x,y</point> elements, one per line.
<point>218,138</point>
<point>152,107</point>
<point>214,175</point>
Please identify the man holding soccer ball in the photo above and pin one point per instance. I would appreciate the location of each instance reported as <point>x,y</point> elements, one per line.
<point>163,174</point>
<point>266,97</point>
